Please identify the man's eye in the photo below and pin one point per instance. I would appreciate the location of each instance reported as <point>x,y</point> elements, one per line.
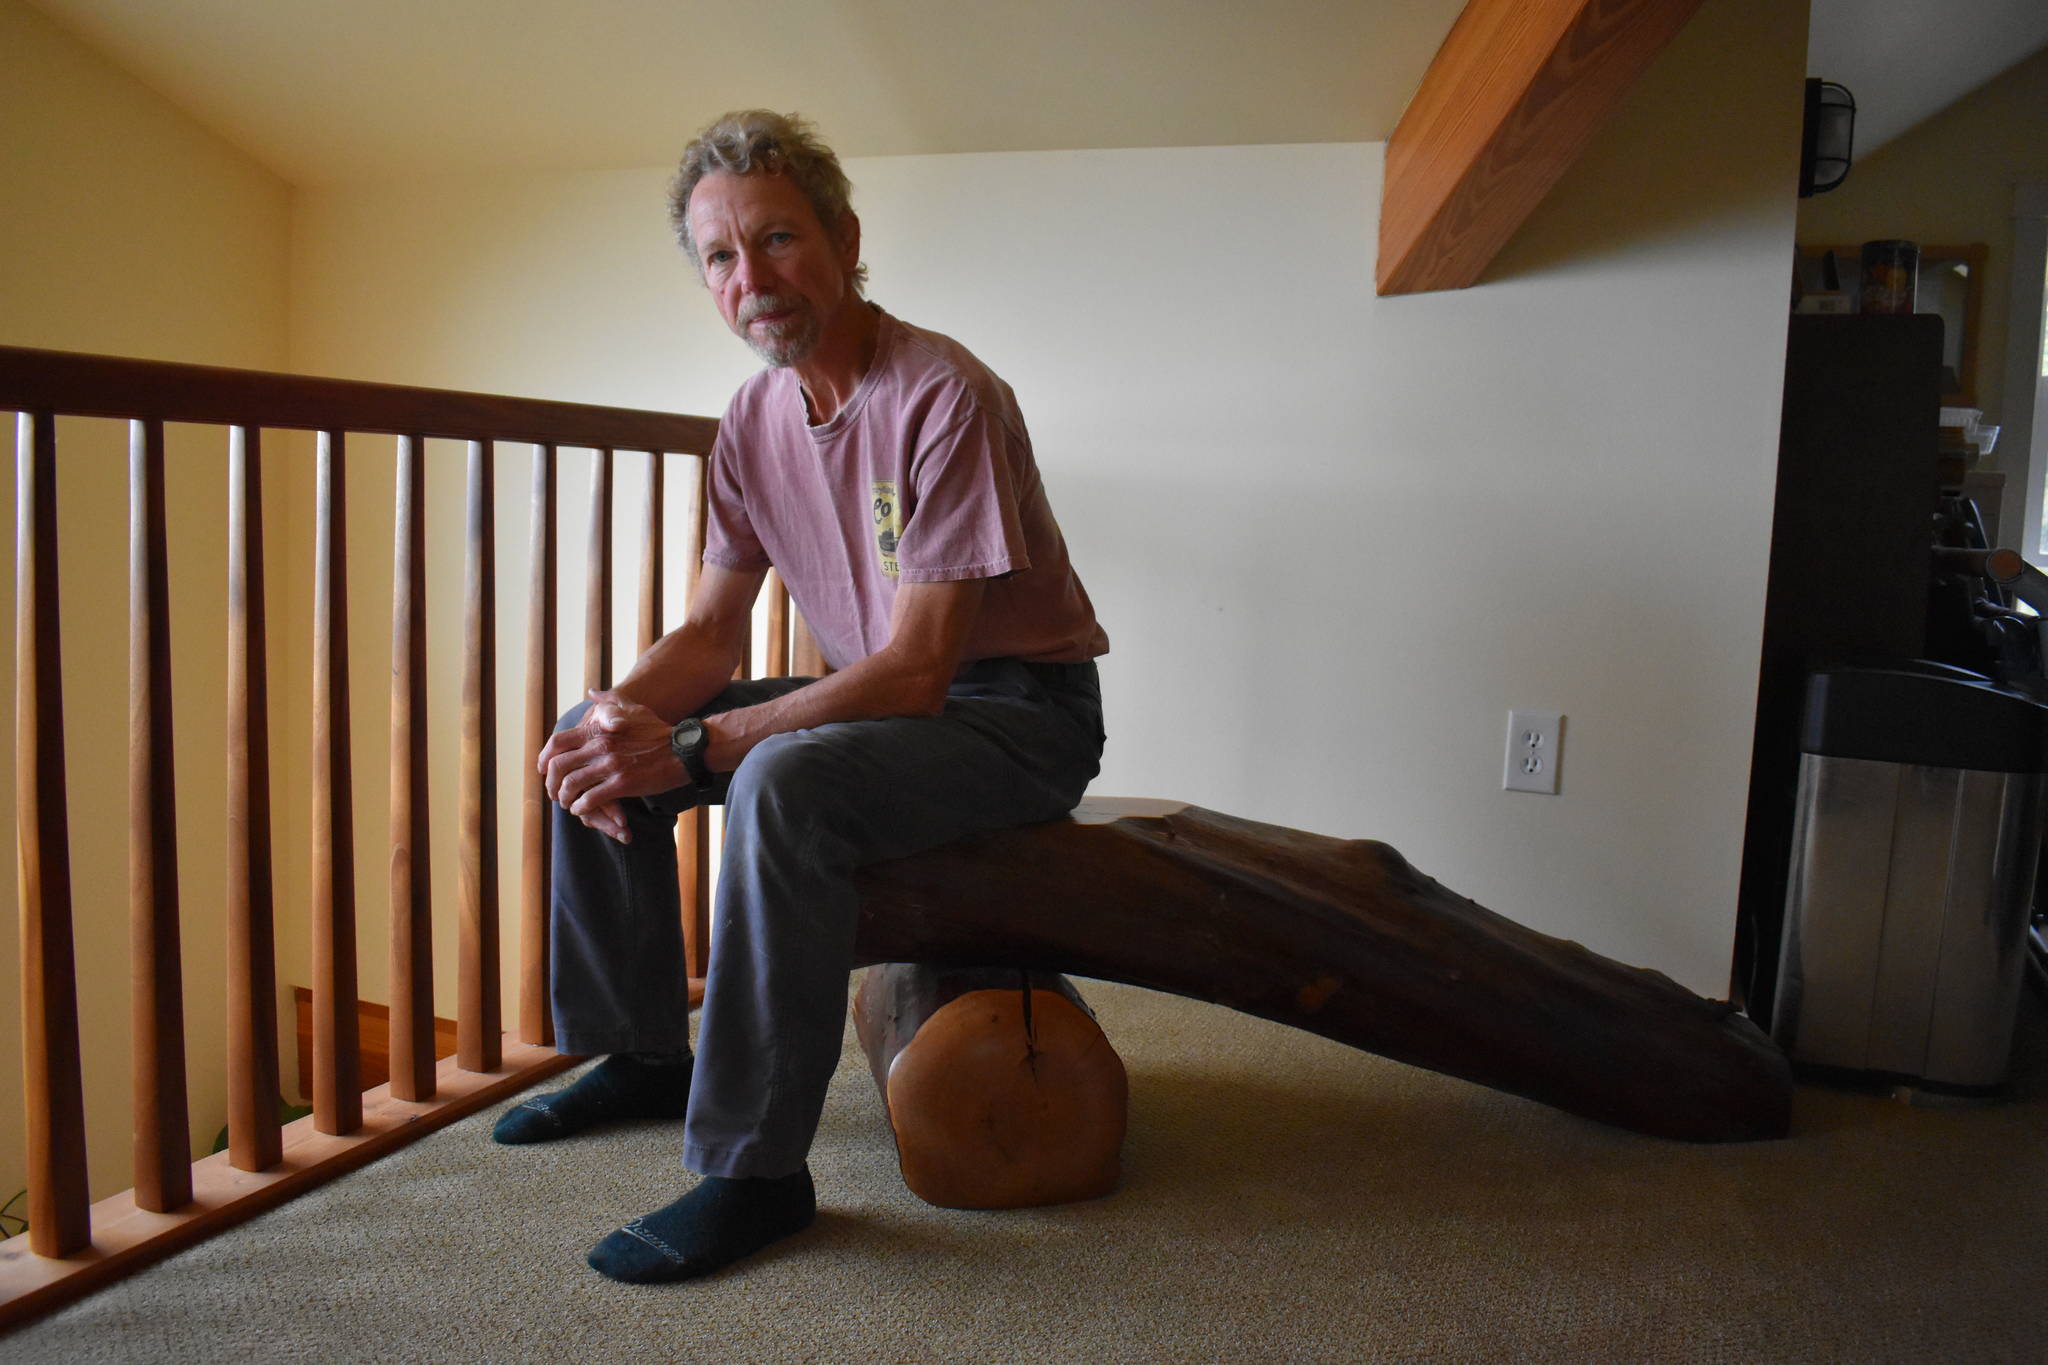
<point>781,238</point>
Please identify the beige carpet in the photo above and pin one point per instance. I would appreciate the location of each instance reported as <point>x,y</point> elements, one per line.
<point>1284,1199</point>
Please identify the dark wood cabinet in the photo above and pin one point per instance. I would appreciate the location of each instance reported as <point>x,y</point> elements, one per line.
<point>1851,539</point>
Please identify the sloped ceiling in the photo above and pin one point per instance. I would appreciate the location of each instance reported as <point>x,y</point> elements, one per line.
<point>326,91</point>
<point>1907,60</point>
<point>332,91</point>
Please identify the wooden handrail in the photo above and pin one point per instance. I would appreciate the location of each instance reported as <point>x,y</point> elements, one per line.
<point>78,385</point>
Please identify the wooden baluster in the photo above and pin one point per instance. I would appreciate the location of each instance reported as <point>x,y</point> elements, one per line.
<point>597,608</point>
<point>412,924</point>
<point>806,660</point>
<point>650,557</point>
<point>777,662</point>
<point>479,1022</point>
<point>651,539</point>
<point>693,827</point>
<point>255,1142</point>
<point>337,1069</point>
<point>163,1138</point>
<point>536,1020</point>
<point>59,1220</point>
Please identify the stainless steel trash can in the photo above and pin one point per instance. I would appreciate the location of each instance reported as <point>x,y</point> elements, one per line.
<point>1919,824</point>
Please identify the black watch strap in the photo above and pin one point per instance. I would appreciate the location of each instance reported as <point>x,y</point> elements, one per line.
<point>687,741</point>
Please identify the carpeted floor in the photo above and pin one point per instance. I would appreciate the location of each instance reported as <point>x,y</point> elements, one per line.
<point>1284,1199</point>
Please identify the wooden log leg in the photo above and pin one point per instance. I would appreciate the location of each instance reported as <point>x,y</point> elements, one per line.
<point>999,1096</point>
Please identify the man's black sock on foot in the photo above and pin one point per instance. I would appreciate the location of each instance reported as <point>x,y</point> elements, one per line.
<point>717,1223</point>
<point>627,1086</point>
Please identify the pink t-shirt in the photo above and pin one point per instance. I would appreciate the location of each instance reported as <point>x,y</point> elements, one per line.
<point>926,475</point>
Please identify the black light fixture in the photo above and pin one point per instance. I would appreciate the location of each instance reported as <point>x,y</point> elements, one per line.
<point>1826,137</point>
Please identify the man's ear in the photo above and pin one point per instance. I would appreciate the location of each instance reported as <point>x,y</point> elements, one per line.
<point>849,241</point>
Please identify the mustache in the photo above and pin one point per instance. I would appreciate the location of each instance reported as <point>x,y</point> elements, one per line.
<point>768,303</point>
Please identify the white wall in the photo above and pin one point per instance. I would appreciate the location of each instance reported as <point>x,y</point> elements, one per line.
<point>128,229</point>
<point>1333,537</point>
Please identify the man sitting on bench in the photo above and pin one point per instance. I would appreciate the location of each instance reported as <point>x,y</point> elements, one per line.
<point>887,475</point>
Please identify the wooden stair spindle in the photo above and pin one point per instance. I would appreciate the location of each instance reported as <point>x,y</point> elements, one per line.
<point>337,1073</point>
<point>693,827</point>
<point>479,1012</point>
<point>806,660</point>
<point>163,1142</point>
<point>255,1141</point>
<point>412,925</point>
<point>776,664</point>
<point>650,557</point>
<point>59,1221</point>
<point>536,1021</point>
<point>597,600</point>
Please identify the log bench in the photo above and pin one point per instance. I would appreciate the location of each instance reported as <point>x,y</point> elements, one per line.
<point>1340,937</point>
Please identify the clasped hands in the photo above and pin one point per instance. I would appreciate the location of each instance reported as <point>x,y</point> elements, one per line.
<point>619,749</point>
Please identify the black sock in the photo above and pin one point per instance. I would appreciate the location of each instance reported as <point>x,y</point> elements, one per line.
<point>628,1086</point>
<point>709,1228</point>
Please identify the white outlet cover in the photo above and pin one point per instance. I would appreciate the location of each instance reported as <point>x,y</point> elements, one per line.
<point>1535,749</point>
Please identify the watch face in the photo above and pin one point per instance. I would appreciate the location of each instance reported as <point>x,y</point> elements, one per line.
<point>687,738</point>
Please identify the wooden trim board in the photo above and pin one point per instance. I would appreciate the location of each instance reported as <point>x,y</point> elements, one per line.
<point>126,1238</point>
<point>373,1040</point>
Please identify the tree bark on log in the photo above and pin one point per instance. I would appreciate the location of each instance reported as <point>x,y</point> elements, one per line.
<point>999,1096</point>
<point>1342,938</point>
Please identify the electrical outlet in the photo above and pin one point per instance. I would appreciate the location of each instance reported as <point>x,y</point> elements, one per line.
<point>1535,748</point>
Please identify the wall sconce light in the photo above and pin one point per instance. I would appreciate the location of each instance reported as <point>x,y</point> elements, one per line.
<point>1826,137</point>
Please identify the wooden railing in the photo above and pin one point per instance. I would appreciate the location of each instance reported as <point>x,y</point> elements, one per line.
<point>73,1245</point>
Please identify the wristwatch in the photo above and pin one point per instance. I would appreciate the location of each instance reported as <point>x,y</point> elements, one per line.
<point>687,741</point>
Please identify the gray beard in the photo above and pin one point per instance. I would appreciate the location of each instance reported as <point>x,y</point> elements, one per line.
<point>790,343</point>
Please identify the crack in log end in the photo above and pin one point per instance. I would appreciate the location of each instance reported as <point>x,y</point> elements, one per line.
<point>1312,996</point>
<point>1030,1027</point>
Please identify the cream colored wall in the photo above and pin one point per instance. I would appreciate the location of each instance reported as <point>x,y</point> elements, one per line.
<point>1951,180</point>
<point>129,230</point>
<point>1334,537</point>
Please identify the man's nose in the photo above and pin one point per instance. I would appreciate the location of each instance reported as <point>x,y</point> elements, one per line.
<point>750,271</point>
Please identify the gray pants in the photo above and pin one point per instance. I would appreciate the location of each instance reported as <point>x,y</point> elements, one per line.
<point>1015,743</point>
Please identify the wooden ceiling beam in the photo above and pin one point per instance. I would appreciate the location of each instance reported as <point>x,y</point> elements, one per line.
<point>1515,94</point>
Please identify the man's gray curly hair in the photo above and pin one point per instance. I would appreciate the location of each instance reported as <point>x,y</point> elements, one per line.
<point>776,144</point>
